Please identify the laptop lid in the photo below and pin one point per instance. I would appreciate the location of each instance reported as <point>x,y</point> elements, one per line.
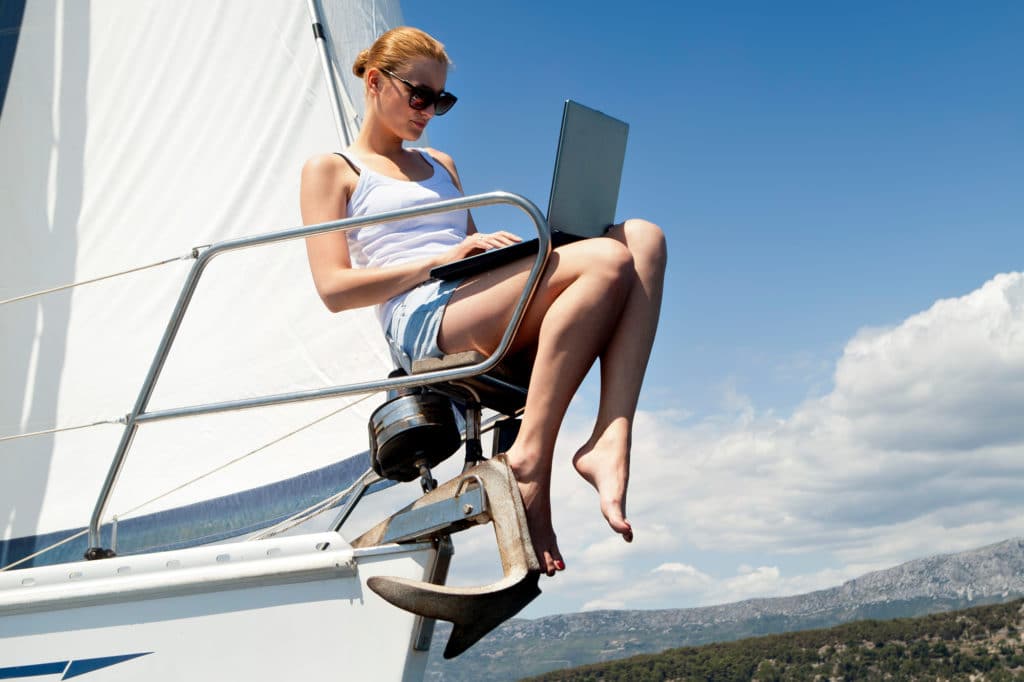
<point>588,169</point>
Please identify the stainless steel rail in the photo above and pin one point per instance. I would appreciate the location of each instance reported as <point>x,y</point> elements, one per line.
<point>138,415</point>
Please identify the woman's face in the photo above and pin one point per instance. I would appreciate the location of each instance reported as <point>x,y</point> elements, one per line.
<point>393,96</point>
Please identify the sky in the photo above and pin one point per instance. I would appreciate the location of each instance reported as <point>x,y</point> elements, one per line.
<point>838,381</point>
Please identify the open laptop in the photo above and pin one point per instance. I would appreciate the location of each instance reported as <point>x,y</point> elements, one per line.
<point>584,189</point>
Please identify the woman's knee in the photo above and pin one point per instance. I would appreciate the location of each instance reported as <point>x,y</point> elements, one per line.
<point>608,257</point>
<point>606,263</point>
<point>646,242</point>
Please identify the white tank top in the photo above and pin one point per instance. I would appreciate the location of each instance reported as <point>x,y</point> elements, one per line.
<point>399,241</point>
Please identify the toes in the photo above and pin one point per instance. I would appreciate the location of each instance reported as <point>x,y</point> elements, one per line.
<point>618,523</point>
<point>623,527</point>
<point>614,511</point>
<point>551,561</point>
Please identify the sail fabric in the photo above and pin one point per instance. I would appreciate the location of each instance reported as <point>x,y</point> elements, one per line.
<point>132,132</point>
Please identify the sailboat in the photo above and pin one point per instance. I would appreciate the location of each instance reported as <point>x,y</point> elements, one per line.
<point>183,428</point>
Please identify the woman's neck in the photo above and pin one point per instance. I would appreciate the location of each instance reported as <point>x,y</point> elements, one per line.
<point>377,139</point>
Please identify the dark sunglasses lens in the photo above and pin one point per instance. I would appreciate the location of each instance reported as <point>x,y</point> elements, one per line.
<point>421,98</point>
<point>444,103</point>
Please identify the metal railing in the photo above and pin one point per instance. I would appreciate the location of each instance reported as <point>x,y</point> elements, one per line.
<point>139,415</point>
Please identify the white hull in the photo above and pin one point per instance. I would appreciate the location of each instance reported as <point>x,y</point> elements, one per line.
<point>294,608</point>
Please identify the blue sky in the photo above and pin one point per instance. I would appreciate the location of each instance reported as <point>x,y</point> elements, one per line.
<point>817,168</point>
<point>826,173</point>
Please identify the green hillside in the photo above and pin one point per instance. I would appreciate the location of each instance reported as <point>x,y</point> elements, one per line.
<point>983,643</point>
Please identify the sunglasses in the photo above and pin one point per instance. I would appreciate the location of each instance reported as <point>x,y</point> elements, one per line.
<point>421,97</point>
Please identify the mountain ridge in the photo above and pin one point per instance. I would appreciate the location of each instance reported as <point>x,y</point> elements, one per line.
<point>941,582</point>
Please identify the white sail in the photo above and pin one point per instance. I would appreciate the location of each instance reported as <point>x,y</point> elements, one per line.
<point>131,132</point>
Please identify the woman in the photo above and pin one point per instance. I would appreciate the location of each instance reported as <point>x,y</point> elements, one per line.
<point>598,298</point>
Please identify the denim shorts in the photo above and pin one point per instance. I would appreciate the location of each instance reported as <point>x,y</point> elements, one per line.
<point>416,321</point>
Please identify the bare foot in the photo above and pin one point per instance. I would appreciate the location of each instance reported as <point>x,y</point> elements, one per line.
<point>605,465</point>
<point>537,500</point>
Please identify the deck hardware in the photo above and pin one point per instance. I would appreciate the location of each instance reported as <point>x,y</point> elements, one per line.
<point>473,611</point>
<point>424,627</point>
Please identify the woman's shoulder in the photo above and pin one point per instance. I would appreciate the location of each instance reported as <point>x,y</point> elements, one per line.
<point>439,156</point>
<point>328,163</point>
<point>329,169</point>
<point>446,161</point>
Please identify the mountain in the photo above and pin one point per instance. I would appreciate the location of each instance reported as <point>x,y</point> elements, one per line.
<point>981,643</point>
<point>523,647</point>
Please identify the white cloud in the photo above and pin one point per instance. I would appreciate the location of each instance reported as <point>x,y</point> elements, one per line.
<point>656,538</point>
<point>660,587</point>
<point>603,605</point>
<point>923,419</point>
<point>675,567</point>
<point>768,581</point>
<point>673,584</point>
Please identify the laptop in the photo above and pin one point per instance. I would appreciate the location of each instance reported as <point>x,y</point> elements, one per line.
<point>584,189</point>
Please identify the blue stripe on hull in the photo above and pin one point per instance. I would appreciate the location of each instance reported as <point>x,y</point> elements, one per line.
<point>84,666</point>
<point>203,522</point>
<point>36,670</point>
<point>69,668</point>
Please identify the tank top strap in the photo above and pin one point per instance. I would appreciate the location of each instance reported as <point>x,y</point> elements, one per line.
<point>440,171</point>
<point>430,159</point>
<point>352,161</point>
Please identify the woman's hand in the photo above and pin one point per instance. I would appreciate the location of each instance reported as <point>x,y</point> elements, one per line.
<point>477,243</point>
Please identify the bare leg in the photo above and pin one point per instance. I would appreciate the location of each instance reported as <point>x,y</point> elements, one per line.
<point>604,459</point>
<point>570,321</point>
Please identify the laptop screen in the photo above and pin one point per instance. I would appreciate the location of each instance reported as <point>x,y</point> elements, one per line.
<point>588,168</point>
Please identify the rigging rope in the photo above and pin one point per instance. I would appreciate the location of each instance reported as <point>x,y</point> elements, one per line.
<point>61,429</point>
<point>320,507</point>
<point>238,459</point>
<point>136,508</point>
<point>55,545</point>
<point>292,521</point>
<point>191,255</point>
<point>307,513</point>
<point>194,253</point>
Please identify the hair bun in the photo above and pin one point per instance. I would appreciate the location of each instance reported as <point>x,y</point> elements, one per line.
<point>359,67</point>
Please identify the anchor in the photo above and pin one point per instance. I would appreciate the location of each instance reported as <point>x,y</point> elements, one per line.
<point>486,492</point>
<point>414,431</point>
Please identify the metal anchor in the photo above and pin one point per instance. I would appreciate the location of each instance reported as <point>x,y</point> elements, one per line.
<point>486,492</point>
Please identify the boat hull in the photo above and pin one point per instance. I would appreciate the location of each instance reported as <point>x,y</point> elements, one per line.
<point>291,608</point>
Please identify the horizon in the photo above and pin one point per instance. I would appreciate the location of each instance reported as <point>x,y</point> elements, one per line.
<point>1019,539</point>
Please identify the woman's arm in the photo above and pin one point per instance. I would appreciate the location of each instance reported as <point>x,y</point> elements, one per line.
<point>327,183</point>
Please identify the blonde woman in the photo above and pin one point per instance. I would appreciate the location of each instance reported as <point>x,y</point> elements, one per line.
<point>599,298</point>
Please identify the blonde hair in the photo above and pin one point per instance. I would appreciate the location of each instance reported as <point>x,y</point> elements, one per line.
<point>397,47</point>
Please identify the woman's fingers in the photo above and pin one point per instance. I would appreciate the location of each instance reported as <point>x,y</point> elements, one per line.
<point>478,243</point>
<point>494,240</point>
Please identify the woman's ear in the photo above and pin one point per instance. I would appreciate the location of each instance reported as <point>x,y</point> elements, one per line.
<point>373,77</point>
